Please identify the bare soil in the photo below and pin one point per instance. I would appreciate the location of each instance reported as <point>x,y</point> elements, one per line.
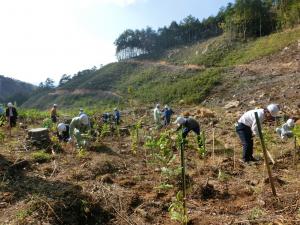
<point>112,185</point>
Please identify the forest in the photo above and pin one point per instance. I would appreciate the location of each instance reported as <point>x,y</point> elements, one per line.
<point>243,19</point>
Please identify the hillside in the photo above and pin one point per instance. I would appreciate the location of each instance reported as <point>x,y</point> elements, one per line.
<point>188,73</point>
<point>14,90</point>
<point>133,177</point>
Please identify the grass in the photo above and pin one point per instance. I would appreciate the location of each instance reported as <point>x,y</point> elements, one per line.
<point>221,52</point>
<point>261,47</point>
<point>32,114</point>
<point>82,153</point>
<point>154,82</point>
<point>192,87</point>
<point>41,156</point>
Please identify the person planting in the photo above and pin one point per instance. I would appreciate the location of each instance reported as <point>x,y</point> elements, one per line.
<point>246,127</point>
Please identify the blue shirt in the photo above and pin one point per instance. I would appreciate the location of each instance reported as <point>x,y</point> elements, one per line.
<point>117,115</point>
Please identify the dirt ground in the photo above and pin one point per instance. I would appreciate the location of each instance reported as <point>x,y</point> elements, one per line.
<point>110,184</point>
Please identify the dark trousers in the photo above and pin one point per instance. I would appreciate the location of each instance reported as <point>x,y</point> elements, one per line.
<point>54,119</point>
<point>245,135</point>
<point>197,131</point>
<point>12,121</point>
<point>167,121</point>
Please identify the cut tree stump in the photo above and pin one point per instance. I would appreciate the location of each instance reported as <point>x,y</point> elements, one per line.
<point>38,137</point>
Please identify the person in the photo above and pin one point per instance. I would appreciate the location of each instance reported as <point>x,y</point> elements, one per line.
<point>63,132</point>
<point>106,117</point>
<point>247,127</point>
<point>53,113</point>
<point>286,130</point>
<point>11,115</point>
<point>1,110</point>
<point>2,115</point>
<point>78,126</point>
<point>81,112</point>
<point>167,113</point>
<point>189,124</point>
<point>157,116</point>
<point>117,116</point>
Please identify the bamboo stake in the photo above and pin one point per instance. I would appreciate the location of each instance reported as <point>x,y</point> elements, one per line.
<point>270,157</point>
<point>234,156</point>
<point>265,154</point>
<point>295,152</point>
<point>213,147</point>
<point>183,176</point>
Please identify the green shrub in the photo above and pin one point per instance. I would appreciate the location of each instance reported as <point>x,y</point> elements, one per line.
<point>41,156</point>
<point>47,123</point>
<point>255,213</point>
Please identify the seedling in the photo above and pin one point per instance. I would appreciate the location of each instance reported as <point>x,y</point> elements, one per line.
<point>134,135</point>
<point>82,153</point>
<point>2,121</point>
<point>105,130</point>
<point>22,214</point>
<point>177,211</point>
<point>296,132</point>
<point>201,144</point>
<point>47,123</point>
<point>164,187</point>
<point>255,213</point>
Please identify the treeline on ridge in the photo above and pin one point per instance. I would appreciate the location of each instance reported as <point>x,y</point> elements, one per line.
<point>242,19</point>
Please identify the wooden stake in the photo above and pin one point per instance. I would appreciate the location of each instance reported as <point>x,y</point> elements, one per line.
<point>265,154</point>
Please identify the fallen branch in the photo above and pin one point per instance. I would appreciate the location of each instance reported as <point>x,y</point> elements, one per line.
<point>57,217</point>
<point>112,205</point>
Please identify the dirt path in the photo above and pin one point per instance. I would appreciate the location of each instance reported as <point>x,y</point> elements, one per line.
<point>170,66</point>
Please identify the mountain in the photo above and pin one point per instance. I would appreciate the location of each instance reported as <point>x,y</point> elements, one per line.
<point>188,74</point>
<point>12,90</point>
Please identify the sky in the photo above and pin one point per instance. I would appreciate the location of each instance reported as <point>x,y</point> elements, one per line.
<point>42,38</point>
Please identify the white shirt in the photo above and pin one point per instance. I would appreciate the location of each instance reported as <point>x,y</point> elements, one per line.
<point>248,119</point>
<point>157,114</point>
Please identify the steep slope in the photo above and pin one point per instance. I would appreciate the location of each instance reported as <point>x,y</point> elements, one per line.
<point>189,73</point>
<point>142,81</point>
<point>14,90</point>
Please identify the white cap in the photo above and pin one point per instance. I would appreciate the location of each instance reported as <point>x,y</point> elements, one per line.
<point>290,122</point>
<point>166,106</point>
<point>54,105</point>
<point>84,119</point>
<point>9,104</point>
<point>115,109</point>
<point>180,120</point>
<point>273,109</point>
<point>61,127</point>
<point>157,105</point>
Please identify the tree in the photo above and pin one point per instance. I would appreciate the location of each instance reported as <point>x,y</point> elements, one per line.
<point>64,79</point>
<point>41,85</point>
<point>49,83</point>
